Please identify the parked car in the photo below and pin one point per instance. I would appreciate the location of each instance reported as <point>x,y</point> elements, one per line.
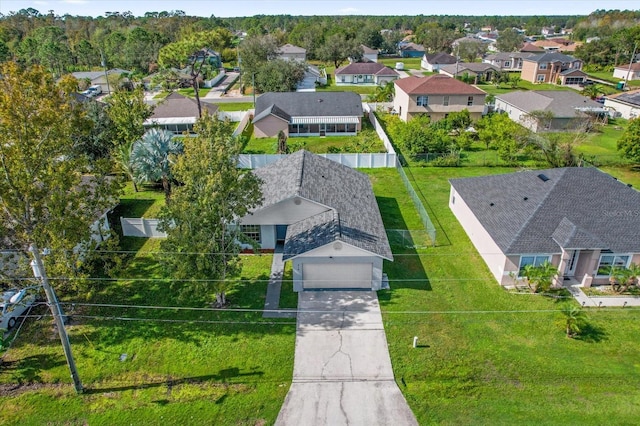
<point>88,93</point>
<point>97,89</point>
<point>14,303</point>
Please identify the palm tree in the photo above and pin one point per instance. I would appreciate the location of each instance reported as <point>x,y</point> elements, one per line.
<point>152,157</point>
<point>574,319</point>
<point>383,93</point>
<point>592,91</point>
<point>123,162</point>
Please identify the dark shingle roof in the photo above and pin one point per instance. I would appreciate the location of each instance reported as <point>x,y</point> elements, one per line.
<point>352,217</point>
<point>440,58</point>
<point>578,208</point>
<point>476,67</point>
<point>311,104</point>
<point>632,97</point>
<point>550,57</point>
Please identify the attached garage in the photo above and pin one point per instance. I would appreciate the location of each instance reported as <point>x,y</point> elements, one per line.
<point>346,275</point>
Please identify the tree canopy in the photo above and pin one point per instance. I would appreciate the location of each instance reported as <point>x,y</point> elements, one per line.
<point>629,142</point>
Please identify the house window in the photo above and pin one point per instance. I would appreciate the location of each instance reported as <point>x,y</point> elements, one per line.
<point>543,66</point>
<point>470,101</point>
<point>445,102</point>
<point>422,100</point>
<point>507,64</point>
<point>251,231</point>
<point>540,78</point>
<point>610,260</point>
<point>532,259</point>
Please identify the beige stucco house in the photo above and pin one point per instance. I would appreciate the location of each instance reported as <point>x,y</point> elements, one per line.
<point>581,220</point>
<point>554,68</point>
<point>436,96</point>
<point>366,73</point>
<point>327,219</point>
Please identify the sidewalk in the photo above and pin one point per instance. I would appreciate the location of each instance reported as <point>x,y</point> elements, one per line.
<point>272,300</point>
<point>601,301</point>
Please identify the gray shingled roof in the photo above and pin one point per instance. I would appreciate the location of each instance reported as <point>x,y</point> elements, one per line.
<point>477,67</point>
<point>577,208</point>
<point>562,103</point>
<point>550,57</point>
<point>440,58</point>
<point>177,105</point>
<point>353,218</point>
<point>370,68</point>
<point>632,97</point>
<point>310,104</point>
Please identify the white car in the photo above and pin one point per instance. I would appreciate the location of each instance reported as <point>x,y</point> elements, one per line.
<point>14,303</point>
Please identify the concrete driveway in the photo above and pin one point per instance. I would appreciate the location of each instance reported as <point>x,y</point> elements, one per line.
<point>342,372</point>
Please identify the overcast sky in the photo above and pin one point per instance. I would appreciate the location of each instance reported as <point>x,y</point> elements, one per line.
<point>226,8</point>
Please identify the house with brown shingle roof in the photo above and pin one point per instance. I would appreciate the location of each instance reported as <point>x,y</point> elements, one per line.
<point>627,72</point>
<point>436,96</point>
<point>178,113</point>
<point>368,73</point>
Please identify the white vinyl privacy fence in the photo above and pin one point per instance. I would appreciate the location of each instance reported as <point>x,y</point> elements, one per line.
<point>362,161</point>
<point>140,227</point>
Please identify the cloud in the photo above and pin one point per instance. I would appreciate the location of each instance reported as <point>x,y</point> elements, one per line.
<point>349,11</point>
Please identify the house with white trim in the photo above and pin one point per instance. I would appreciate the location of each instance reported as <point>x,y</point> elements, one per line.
<point>326,216</point>
<point>307,114</point>
<point>625,104</point>
<point>178,113</point>
<point>580,219</point>
<point>366,73</point>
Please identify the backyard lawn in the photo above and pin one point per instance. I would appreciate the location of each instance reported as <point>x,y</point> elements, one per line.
<point>486,356</point>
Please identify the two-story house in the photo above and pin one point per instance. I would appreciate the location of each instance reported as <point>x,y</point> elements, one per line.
<point>507,61</point>
<point>554,68</point>
<point>436,96</point>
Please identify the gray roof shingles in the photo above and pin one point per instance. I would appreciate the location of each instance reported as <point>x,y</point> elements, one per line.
<point>561,103</point>
<point>311,104</point>
<point>580,207</point>
<point>353,216</point>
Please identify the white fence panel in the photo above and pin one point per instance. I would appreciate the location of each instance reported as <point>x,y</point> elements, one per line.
<point>141,227</point>
<point>235,116</point>
<point>216,79</point>
<point>244,121</point>
<point>363,161</point>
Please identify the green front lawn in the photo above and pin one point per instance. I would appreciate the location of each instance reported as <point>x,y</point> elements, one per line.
<point>234,106</point>
<point>487,356</point>
<point>409,63</point>
<point>153,366</point>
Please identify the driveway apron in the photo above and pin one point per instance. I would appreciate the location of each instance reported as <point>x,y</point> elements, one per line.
<point>342,372</point>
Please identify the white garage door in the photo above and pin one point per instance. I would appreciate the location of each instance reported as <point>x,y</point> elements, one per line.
<point>348,275</point>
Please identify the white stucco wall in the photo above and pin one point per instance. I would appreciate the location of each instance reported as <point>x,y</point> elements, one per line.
<point>626,111</point>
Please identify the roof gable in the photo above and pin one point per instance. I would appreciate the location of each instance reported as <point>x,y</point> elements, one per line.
<point>562,103</point>
<point>353,216</point>
<point>440,58</point>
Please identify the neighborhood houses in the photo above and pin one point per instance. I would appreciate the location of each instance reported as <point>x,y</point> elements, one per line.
<point>297,218</point>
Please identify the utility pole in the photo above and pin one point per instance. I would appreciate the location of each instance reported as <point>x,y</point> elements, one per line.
<point>253,88</point>
<point>52,300</point>
<point>633,56</point>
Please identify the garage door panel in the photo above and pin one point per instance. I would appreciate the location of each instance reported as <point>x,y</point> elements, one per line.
<point>345,275</point>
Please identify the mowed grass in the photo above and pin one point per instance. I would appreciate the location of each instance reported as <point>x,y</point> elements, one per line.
<point>486,356</point>
<point>154,366</point>
<point>234,106</point>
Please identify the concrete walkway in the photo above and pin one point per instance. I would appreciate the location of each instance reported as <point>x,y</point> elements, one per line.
<point>342,372</point>
<point>603,301</point>
<point>272,300</point>
<point>221,88</point>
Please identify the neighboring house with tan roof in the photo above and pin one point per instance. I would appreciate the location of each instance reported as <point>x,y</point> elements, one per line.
<point>433,61</point>
<point>626,72</point>
<point>570,110</point>
<point>580,219</point>
<point>178,113</point>
<point>365,73</point>
<point>436,96</point>
<point>554,68</point>
<point>625,104</point>
<point>290,52</point>
<point>479,71</point>
<point>307,114</point>
<point>531,48</point>
<point>327,217</point>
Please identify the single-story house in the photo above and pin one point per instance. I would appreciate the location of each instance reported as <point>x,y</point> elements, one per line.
<point>326,215</point>
<point>581,220</point>
<point>410,50</point>
<point>290,52</point>
<point>507,61</point>
<point>479,71</point>
<point>178,113</point>
<point>369,54</point>
<point>625,104</point>
<point>365,73</point>
<point>433,61</point>
<point>100,77</point>
<point>307,114</point>
<point>570,110</point>
<point>627,72</point>
<point>436,95</point>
